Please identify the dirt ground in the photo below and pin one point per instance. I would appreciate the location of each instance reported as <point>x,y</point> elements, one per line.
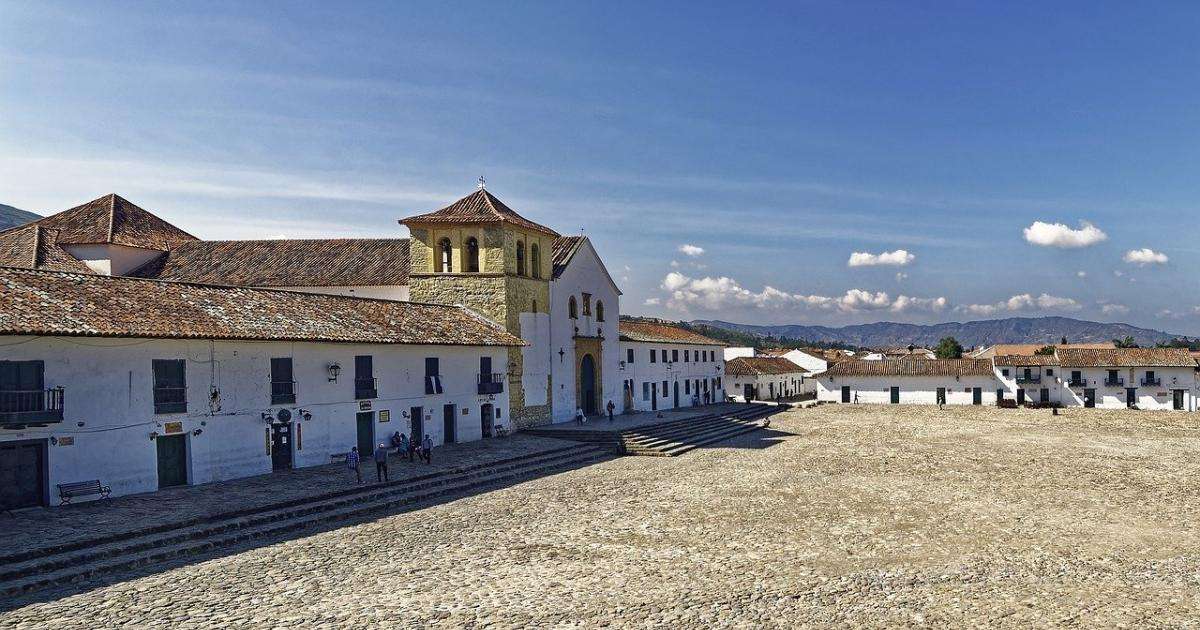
<point>836,516</point>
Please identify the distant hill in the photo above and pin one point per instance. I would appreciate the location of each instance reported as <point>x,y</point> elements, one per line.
<point>978,333</point>
<point>12,217</point>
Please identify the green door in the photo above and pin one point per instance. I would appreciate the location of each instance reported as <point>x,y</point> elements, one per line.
<point>172,460</point>
<point>366,433</point>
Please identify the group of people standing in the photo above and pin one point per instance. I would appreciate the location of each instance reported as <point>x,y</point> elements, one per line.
<point>402,444</point>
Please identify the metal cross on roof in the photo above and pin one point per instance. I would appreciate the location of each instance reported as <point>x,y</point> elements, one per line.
<point>482,182</point>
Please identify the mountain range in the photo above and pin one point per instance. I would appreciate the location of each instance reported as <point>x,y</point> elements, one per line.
<point>976,333</point>
<point>12,217</point>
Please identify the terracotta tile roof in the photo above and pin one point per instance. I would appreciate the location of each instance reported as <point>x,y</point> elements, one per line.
<point>1014,349</point>
<point>285,263</point>
<point>1027,360</point>
<point>112,219</point>
<point>912,367</point>
<point>35,247</point>
<point>480,206</point>
<point>760,366</point>
<point>661,332</point>
<point>1126,357</point>
<point>564,248</point>
<point>72,304</point>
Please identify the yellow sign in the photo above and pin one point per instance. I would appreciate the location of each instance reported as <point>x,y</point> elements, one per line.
<point>385,415</point>
<point>173,427</point>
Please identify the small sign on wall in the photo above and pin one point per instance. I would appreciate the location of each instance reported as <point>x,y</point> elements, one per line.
<point>66,441</point>
<point>466,411</point>
<point>385,415</point>
<point>172,427</point>
<point>364,405</point>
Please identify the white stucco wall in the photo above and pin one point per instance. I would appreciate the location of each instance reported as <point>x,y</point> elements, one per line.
<point>914,390</point>
<point>1148,397</point>
<point>733,353</point>
<point>535,357</point>
<point>709,373</point>
<point>584,273</point>
<point>109,389</point>
<point>768,386</point>
<point>112,260</point>
<point>1050,381</point>
<point>395,292</point>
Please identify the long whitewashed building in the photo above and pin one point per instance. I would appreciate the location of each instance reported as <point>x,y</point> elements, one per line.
<point>1142,378</point>
<point>144,384</point>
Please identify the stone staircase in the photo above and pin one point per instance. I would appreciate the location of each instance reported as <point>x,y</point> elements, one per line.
<point>670,438</point>
<point>35,569</point>
<point>675,438</point>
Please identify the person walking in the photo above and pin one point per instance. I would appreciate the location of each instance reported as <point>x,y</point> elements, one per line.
<point>352,462</point>
<point>410,445</point>
<point>610,408</point>
<point>427,449</point>
<point>579,417</point>
<point>402,446</point>
<point>381,471</point>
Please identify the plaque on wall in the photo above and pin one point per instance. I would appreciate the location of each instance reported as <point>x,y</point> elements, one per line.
<point>385,415</point>
<point>172,427</point>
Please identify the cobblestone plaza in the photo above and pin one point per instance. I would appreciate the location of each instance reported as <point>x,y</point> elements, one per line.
<point>835,516</point>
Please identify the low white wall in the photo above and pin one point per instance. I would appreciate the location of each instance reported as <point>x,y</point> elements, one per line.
<point>109,411</point>
<point>914,390</point>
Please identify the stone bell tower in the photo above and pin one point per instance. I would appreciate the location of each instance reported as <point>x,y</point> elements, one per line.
<point>480,253</point>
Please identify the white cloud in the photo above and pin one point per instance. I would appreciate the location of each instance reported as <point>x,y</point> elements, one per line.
<point>713,294</point>
<point>652,302</point>
<point>1145,256</point>
<point>1114,309</point>
<point>1081,274</point>
<point>675,264</point>
<point>691,250</point>
<point>900,275</point>
<point>1061,235</point>
<point>1022,302</point>
<point>1118,273</point>
<point>898,258</point>
<point>904,303</point>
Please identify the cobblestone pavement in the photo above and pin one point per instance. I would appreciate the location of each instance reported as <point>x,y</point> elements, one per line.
<point>45,526</point>
<point>837,516</point>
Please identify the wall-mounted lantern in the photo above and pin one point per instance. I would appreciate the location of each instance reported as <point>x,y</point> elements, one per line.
<point>334,369</point>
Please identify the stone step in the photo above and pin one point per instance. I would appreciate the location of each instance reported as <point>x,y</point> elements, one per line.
<point>650,436</point>
<point>679,448</point>
<point>681,422</point>
<point>668,442</point>
<point>691,446</point>
<point>16,577</point>
<point>75,545</point>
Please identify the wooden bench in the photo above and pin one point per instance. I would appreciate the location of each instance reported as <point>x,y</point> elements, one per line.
<point>68,491</point>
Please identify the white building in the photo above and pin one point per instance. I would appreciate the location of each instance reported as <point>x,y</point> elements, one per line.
<point>665,366</point>
<point>909,381</point>
<point>762,378</point>
<point>553,291</point>
<point>144,384</point>
<point>1145,378</point>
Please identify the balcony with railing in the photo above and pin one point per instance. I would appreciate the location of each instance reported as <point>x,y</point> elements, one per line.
<point>365,388</point>
<point>39,406</point>
<point>1114,382</point>
<point>1076,382</point>
<point>170,400</point>
<point>490,383</point>
<point>283,392</point>
<point>1028,379</point>
<point>1152,382</point>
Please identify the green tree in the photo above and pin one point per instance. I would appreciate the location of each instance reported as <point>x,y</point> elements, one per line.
<point>1127,342</point>
<point>948,348</point>
<point>1045,350</point>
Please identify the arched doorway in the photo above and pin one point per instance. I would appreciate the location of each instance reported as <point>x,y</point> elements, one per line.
<point>587,385</point>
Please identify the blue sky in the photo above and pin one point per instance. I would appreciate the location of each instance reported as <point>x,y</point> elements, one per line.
<point>778,139</point>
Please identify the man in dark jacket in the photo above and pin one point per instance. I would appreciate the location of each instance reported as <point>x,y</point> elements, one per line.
<point>381,471</point>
